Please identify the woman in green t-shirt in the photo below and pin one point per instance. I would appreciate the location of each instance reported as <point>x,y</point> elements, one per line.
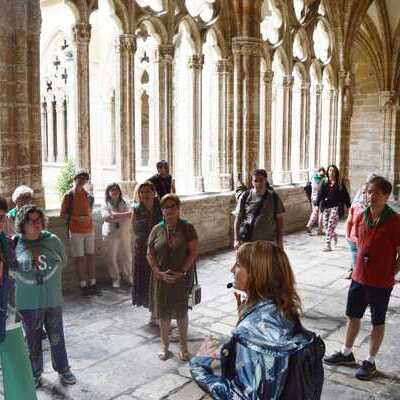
<point>41,258</point>
<point>172,250</point>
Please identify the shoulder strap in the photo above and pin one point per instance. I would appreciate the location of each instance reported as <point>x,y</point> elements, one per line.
<point>15,240</point>
<point>275,199</point>
<point>243,200</point>
<point>259,207</point>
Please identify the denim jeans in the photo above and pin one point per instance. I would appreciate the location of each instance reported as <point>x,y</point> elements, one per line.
<point>51,318</point>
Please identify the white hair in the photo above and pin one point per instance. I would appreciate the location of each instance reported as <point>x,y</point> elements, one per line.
<point>20,191</point>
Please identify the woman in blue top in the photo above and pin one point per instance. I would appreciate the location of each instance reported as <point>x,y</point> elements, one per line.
<point>41,258</point>
<point>264,336</point>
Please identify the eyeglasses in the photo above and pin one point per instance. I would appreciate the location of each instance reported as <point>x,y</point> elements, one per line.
<point>171,207</point>
<point>35,221</point>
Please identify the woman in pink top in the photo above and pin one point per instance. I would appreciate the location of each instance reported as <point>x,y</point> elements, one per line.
<point>357,207</point>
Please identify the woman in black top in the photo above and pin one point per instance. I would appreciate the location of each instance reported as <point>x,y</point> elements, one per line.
<point>331,200</point>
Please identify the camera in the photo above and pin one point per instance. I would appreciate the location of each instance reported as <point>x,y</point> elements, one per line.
<point>245,232</point>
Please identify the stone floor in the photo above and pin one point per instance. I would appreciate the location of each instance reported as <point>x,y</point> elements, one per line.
<point>112,350</point>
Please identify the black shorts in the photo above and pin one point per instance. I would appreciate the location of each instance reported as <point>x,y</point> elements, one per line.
<point>360,296</point>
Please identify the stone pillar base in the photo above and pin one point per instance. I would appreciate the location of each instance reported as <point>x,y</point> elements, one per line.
<point>128,189</point>
<point>198,184</point>
<point>225,182</point>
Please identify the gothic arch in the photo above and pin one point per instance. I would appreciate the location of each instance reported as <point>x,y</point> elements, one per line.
<point>154,26</point>
<point>280,54</point>
<point>188,23</point>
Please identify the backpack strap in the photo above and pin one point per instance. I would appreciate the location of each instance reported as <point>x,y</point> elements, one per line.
<point>243,200</point>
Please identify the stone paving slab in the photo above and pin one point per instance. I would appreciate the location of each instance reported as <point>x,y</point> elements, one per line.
<point>112,349</point>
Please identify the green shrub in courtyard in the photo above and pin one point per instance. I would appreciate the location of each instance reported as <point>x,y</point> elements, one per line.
<point>65,178</point>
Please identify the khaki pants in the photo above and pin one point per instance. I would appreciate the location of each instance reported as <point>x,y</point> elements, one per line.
<point>119,257</point>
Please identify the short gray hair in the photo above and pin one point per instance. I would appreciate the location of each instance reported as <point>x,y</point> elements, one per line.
<point>20,191</point>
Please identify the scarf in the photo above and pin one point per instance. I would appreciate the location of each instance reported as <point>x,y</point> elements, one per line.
<point>386,214</point>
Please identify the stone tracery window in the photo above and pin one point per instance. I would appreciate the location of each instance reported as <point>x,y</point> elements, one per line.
<point>272,22</point>
<point>156,5</point>
<point>201,8</point>
<point>322,42</point>
<point>146,106</point>
<point>300,48</point>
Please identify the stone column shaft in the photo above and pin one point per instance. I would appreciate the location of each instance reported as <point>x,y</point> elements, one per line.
<point>61,126</point>
<point>50,129</point>
<point>224,69</point>
<point>82,33</point>
<point>287,130</point>
<point>305,131</point>
<point>266,162</point>
<point>332,124</point>
<point>165,65</point>
<point>127,159</point>
<point>196,65</point>
<point>44,130</point>
<point>247,60</point>
<point>317,128</point>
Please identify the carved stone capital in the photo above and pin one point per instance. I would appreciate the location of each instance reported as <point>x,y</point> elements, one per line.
<point>196,61</point>
<point>332,94</point>
<point>224,66</point>
<point>386,100</point>
<point>268,76</point>
<point>127,43</point>
<point>318,88</point>
<point>82,32</point>
<point>166,53</point>
<point>247,46</point>
<point>287,81</point>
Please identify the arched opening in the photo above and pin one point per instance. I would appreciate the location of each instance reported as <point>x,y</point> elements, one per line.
<point>146,103</point>
<point>104,93</point>
<point>210,113</point>
<point>183,113</point>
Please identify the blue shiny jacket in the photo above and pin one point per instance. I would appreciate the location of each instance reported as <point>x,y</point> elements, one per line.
<point>265,342</point>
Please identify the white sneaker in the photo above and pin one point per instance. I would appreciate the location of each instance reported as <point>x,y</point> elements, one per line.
<point>116,284</point>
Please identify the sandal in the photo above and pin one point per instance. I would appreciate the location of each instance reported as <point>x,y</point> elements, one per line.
<point>163,354</point>
<point>184,356</point>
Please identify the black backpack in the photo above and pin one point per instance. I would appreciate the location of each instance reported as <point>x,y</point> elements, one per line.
<point>306,372</point>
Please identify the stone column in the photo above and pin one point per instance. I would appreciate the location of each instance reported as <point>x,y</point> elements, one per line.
<point>266,161</point>
<point>61,126</point>
<point>126,150</point>
<point>81,34</point>
<point>286,175</point>
<point>344,113</point>
<point>20,136</point>
<point>247,60</point>
<point>332,96</point>
<point>165,61</point>
<point>304,131</point>
<point>108,153</point>
<point>317,126</point>
<point>196,65</point>
<point>44,130</point>
<point>389,160</point>
<point>51,116</point>
<point>224,70</point>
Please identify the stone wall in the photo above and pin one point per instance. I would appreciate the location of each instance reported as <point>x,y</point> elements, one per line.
<point>366,123</point>
<point>211,214</point>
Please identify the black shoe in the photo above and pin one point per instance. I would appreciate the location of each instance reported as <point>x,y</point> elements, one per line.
<point>37,381</point>
<point>85,291</point>
<point>366,371</point>
<point>95,290</point>
<point>339,358</point>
